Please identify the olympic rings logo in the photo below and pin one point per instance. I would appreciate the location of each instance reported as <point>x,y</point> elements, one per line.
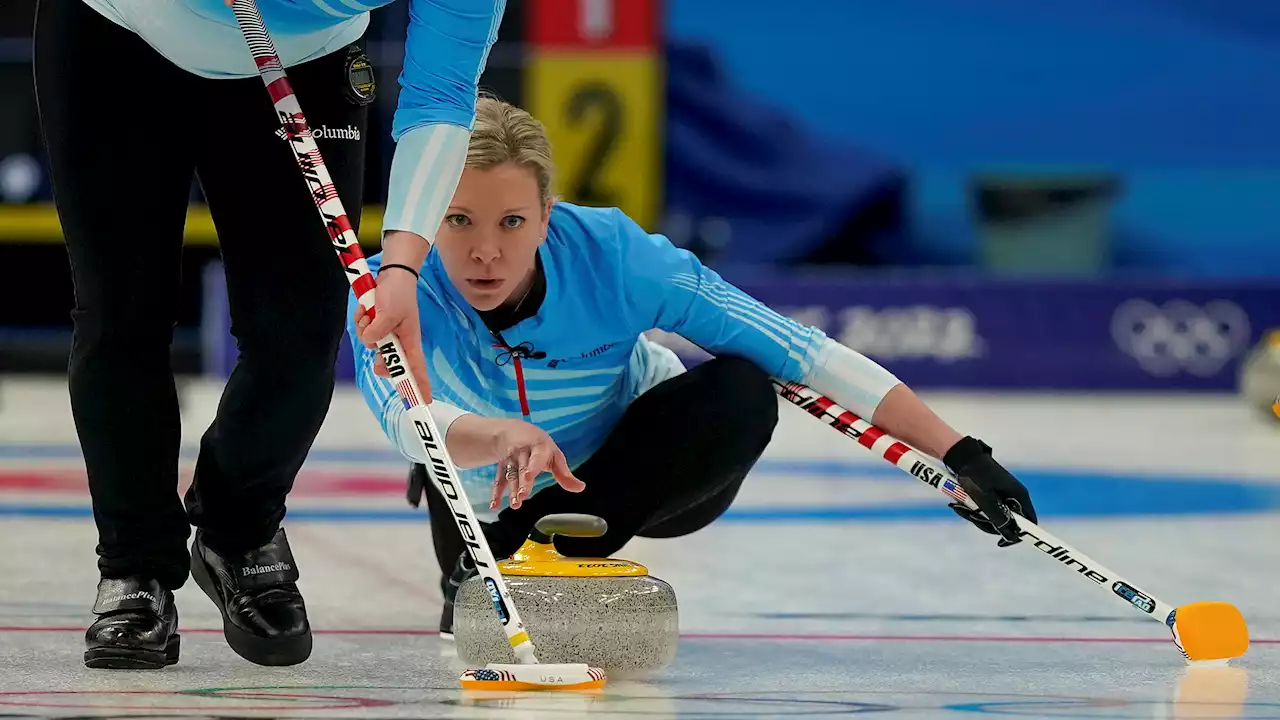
<point>1181,336</point>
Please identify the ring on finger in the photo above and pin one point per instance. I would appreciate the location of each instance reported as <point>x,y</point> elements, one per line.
<point>509,472</point>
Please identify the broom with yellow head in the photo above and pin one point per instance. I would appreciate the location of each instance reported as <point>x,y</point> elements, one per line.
<point>1204,632</point>
<point>527,673</point>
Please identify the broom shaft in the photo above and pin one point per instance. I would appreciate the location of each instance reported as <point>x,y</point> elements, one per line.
<point>933,473</point>
<point>440,465</point>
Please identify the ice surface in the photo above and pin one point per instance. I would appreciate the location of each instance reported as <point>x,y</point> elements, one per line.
<point>835,586</point>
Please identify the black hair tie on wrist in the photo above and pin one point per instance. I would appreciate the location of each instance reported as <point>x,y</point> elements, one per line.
<point>398,265</point>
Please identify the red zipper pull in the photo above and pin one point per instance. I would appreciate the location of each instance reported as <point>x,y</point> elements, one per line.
<point>524,401</point>
<point>514,354</point>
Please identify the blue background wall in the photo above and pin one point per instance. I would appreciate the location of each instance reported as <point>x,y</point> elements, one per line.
<point>1181,97</point>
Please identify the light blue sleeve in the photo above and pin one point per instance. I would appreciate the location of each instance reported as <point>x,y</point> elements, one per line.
<point>382,400</point>
<point>670,289</point>
<point>425,171</point>
<point>446,50</point>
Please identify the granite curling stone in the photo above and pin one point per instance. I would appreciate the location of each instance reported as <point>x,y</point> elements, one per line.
<point>1259,376</point>
<point>605,612</point>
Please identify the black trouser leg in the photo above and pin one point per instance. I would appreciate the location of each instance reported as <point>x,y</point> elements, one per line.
<point>121,188</point>
<point>444,530</point>
<point>287,295</point>
<point>672,465</point>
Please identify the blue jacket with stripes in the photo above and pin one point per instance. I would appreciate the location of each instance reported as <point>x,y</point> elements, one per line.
<point>608,283</point>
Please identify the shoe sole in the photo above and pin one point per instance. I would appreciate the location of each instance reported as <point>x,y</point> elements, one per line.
<point>260,651</point>
<point>127,658</point>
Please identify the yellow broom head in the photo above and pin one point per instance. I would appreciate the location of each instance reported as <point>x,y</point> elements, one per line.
<point>534,676</point>
<point>1210,631</point>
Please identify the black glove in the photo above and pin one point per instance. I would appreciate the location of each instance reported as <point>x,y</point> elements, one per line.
<point>991,488</point>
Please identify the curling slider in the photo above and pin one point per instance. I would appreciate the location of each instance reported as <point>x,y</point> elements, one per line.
<point>542,676</point>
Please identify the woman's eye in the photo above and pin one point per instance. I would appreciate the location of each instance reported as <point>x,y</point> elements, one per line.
<point>512,221</point>
<point>457,220</point>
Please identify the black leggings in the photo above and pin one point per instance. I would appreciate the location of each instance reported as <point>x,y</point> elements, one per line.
<point>126,131</point>
<point>672,466</point>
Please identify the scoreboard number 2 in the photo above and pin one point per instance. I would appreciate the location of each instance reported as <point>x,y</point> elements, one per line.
<point>598,100</point>
<point>603,116</point>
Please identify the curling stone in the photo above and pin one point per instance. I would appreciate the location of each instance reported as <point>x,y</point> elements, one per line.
<point>1259,378</point>
<point>604,612</point>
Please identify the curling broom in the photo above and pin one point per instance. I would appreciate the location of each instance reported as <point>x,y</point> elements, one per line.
<point>527,673</point>
<point>1204,632</point>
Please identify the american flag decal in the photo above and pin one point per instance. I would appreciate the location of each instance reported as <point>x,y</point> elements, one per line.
<point>595,673</point>
<point>405,389</point>
<point>949,487</point>
<point>489,675</point>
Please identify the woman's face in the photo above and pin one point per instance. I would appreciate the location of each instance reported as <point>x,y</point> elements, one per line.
<point>490,235</point>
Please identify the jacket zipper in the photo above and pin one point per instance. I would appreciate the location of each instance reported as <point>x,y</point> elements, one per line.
<point>524,401</point>
<point>516,354</point>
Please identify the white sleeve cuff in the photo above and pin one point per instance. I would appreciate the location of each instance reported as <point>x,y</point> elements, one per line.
<point>425,170</point>
<point>411,444</point>
<point>850,378</point>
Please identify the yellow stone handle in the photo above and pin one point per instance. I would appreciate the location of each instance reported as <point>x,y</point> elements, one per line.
<point>538,556</point>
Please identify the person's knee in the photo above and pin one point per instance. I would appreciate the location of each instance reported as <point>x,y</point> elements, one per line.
<point>121,325</point>
<point>745,395</point>
<point>687,523</point>
<point>306,344</point>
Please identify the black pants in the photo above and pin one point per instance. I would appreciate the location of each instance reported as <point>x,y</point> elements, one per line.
<point>126,130</point>
<point>672,466</point>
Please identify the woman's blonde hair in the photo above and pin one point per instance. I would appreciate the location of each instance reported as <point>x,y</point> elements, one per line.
<point>505,133</point>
